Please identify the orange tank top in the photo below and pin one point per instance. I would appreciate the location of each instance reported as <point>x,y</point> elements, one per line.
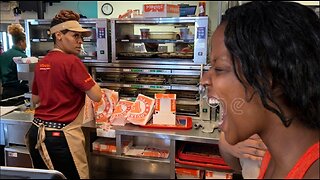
<point>301,167</point>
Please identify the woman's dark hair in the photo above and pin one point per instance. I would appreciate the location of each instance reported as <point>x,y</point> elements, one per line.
<point>63,16</point>
<point>276,46</point>
<point>17,33</point>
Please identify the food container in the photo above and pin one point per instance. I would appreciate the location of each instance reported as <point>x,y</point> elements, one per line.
<point>184,32</point>
<point>151,47</point>
<point>186,173</point>
<point>162,35</point>
<point>144,33</point>
<point>161,10</point>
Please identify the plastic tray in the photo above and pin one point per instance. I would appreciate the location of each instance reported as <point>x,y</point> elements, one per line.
<point>200,152</point>
<point>183,122</point>
<point>207,165</point>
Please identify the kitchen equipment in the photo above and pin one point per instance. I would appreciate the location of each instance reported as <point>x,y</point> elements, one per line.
<point>163,32</point>
<point>184,32</point>
<point>98,44</point>
<point>17,156</point>
<point>162,35</point>
<point>135,78</point>
<point>151,47</point>
<point>144,33</point>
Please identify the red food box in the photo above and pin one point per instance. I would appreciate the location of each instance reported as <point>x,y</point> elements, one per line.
<point>161,10</point>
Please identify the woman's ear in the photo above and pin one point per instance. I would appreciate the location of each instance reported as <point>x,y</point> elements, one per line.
<point>276,90</point>
<point>58,35</point>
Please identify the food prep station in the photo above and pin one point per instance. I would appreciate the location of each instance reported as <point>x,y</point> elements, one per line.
<point>117,57</point>
<point>102,165</point>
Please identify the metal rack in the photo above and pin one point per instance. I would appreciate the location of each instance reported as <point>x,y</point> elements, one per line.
<point>125,39</point>
<point>96,47</point>
<point>131,74</point>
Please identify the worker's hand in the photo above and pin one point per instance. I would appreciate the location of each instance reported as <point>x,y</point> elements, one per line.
<point>252,148</point>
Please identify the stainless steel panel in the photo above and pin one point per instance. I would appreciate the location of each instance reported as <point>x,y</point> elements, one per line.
<point>153,142</point>
<point>15,126</point>
<point>2,140</point>
<point>148,66</point>
<point>16,133</point>
<point>29,173</point>
<point>105,167</point>
<point>17,117</point>
<point>195,135</point>
<point>26,72</point>
<point>17,156</point>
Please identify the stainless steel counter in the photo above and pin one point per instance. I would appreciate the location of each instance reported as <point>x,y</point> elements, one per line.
<point>194,135</point>
<point>14,126</point>
<point>171,135</point>
<point>17,117</point>
<point>17,123</point>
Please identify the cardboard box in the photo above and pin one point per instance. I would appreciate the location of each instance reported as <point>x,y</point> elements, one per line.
<point>218,175</point>
<point>109,145</point>
<point>120,113</point>
<point>141,111</point>
<point>161,10</point>
<point>165,109</point>
<point>186,173</point>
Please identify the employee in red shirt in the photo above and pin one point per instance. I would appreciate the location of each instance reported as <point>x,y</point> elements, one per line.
<point>61,82</point>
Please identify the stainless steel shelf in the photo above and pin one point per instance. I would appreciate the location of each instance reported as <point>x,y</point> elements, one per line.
<point>147,65</point>
<point>143,70</point>
<point>51,40</point>
<point>160,41</point>
<point>160,20</point>
<point>193,135</point>
<point>132,158</point>
<point>151,86</point>
<point>200,167</point>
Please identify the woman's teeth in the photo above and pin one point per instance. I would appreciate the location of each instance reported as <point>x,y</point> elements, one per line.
<point>220,115</point>
<point>214,102</point>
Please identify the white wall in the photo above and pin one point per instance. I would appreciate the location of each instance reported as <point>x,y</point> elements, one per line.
<point>309,3</point>
<point>120,7</point>
<point>87,8</point>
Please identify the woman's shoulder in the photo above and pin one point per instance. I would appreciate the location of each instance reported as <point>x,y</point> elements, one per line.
<point>313,171</point>
<point>14,53</point>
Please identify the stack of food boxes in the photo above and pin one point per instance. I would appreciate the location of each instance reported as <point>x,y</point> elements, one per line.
<point>186,173</point>
<point>141,111</point>
<point>161,10</point>
<point>112,111</point>
<point>108,145</point>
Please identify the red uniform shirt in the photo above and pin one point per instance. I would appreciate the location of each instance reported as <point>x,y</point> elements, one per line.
<point>301,166</point>
<point>60,80</point>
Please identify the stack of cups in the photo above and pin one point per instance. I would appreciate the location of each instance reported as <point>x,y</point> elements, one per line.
<point>144,33</point>
<point>184,32</point>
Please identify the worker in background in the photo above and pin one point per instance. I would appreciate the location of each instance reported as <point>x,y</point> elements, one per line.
<point>61,82</point>
<point>12,86</point>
